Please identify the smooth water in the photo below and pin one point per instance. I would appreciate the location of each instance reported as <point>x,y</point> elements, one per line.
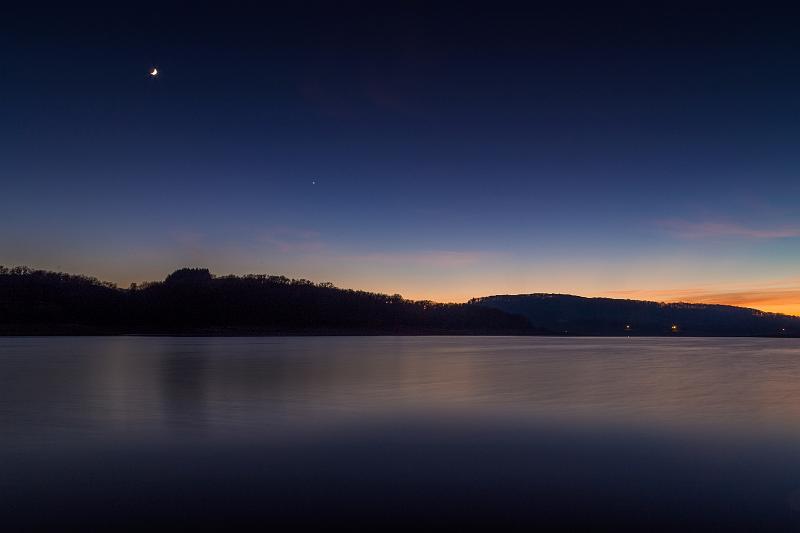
<point>646,433</point>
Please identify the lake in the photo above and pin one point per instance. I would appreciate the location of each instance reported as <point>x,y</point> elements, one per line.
<point>400,432</point>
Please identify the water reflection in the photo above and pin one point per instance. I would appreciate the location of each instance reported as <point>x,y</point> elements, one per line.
<point>692,431</point>
<point>184,388</point>
<point>152,387</point>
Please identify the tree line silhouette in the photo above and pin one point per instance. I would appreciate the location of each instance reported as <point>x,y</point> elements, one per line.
<point>192,301</point>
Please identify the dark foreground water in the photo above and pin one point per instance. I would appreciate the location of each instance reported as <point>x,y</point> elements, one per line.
<point>404,432</point>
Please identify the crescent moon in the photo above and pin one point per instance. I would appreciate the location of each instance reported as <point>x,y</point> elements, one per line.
<point>154,72</point>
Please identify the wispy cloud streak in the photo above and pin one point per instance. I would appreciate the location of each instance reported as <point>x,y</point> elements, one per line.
<point>712,229</point>
<point>432,258</point>
<point>292,240</point>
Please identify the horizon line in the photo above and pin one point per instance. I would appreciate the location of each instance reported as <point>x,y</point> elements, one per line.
<point>701,296</point>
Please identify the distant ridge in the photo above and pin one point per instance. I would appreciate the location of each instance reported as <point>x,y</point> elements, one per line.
<point>192,301</point>
<point>577,315</point>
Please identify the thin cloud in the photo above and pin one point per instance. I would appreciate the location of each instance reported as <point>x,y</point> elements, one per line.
<point>304,241</point>
<point>433,258</point>
<point>288,240</point>
<point>711,229</point>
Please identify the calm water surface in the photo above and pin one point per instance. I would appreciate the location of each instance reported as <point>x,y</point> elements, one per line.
<point>494,432</point>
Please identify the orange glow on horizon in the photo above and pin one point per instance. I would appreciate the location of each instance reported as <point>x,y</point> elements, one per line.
<point>416,283</point>
<point>772,300</point>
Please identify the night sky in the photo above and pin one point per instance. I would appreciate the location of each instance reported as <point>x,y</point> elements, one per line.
<point>436,151</point>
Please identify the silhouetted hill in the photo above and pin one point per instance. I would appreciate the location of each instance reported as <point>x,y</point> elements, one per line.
<point>575,315</point>
<point>192,301</point>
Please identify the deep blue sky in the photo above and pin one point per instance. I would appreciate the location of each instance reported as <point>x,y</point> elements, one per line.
<point>440,152</point>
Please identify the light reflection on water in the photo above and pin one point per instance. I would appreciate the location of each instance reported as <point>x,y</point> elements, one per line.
<point>703,424</point>
<point>150,387</point>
